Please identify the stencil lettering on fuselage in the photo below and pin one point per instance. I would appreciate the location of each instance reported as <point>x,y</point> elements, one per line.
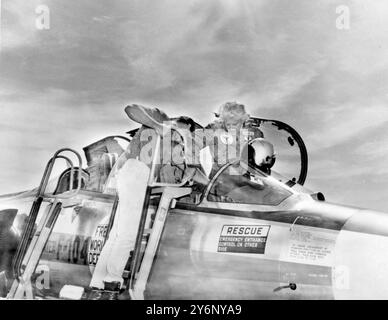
<point>243,238</point>
<point>97,243</point>
<point>311,245</point>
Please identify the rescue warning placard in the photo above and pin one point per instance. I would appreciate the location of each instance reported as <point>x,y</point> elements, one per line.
<point>243,238</point>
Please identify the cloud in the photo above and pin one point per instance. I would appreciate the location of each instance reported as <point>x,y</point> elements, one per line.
<point>363,50</point>
<point>284,60</point>
<point>33,130</point>
<point>18,23</point>
<point>342,123</point>
<point>372,150</point>
<point>278,91</point>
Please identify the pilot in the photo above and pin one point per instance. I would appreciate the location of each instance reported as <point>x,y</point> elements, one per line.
<point>232,128</point>
<point>257,154</point>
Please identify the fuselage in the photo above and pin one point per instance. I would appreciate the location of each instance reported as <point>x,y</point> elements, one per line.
<point>238,251</point>
<point>327,251</point>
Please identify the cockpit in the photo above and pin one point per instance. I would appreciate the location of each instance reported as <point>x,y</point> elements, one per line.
<point>237,184</point>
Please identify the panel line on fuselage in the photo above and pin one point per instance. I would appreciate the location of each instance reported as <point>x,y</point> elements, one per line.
<point>283,216</point>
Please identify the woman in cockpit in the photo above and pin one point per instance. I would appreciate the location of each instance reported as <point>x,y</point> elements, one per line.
<point>245,175</point>
<point>227,132</point>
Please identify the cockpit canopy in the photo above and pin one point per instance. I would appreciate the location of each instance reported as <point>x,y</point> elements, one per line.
<point>291,154</point>
<point>235,183</point>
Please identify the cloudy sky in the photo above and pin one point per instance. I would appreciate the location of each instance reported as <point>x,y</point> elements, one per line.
<point>68,86</point>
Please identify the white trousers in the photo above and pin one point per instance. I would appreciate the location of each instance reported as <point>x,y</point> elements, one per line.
<point>132,182</point>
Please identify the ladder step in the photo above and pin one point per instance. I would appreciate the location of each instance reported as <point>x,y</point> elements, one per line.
<point>126,274</point>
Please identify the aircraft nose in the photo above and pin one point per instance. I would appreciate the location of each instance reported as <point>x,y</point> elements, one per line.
<point>360,256</point>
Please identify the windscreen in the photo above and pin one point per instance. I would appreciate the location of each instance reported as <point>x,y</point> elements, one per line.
<point>239,184</point>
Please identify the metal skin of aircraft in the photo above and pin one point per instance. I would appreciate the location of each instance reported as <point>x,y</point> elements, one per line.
<point>280,242</point>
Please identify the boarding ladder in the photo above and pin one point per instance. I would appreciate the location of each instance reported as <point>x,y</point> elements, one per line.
<point>33,241</point>
<point>140,263</point>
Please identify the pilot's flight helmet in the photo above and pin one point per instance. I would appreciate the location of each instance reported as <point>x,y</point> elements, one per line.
<point>260,154</point>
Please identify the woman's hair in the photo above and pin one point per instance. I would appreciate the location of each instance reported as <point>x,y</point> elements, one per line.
<point>233,111</point>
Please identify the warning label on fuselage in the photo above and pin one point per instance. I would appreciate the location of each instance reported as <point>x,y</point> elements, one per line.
<point>243,238</point>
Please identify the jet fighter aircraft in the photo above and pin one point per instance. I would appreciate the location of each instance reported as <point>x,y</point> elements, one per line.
<point>281,241</point>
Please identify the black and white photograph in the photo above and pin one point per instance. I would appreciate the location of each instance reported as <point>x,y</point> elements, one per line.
<point>186,150</point>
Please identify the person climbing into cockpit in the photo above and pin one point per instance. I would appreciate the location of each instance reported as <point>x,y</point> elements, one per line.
<point>132,180</point>
<point>176,166</point>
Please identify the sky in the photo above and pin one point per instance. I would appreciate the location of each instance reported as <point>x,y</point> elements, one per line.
<point>286,60</point>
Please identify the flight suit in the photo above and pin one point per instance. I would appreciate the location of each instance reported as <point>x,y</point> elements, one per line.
<point>226,146</point>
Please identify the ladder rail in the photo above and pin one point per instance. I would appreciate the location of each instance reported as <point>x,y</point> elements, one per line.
<point>26,237</point>
<point>71,166</point>
<point>35,250</point>
<point>27,232</point>
<point>169,194</point>
<point>49,167</point>
<point>71,193</point>
<point>136,253</point>
<point>36,205</point>
<point>136,257</point>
